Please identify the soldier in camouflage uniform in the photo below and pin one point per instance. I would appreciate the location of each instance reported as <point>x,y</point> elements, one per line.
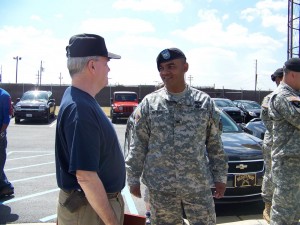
<point>267,185</point>
<point>176,128</point>
<point>284,110</point>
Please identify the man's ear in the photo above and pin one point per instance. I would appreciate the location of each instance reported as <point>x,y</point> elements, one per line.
<point>90,65</point>
<point>186,67</point>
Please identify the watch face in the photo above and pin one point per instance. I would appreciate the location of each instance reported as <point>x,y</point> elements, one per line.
<point>2,134</point>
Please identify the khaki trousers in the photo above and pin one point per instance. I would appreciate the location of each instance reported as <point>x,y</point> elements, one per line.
<point>86,214</point>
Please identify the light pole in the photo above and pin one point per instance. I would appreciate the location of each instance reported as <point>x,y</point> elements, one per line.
<point>17,58</point>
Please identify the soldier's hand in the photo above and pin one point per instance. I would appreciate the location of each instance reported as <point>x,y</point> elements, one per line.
<point>136,190</point>
<point>220,190</point>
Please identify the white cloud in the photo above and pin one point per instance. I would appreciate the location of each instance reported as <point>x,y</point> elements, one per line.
<point>123,25</point>
<point>166,6</point>
<point>270,12</point>
<point>35,17</point>
<point>211,32</point>
<point>33,46</point>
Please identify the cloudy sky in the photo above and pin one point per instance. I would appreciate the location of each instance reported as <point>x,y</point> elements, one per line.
<point>222,39</point>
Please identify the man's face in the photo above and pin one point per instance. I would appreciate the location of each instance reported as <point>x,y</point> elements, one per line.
<point>172,73</point>
<point>297,81</point>
<point>101,68</point>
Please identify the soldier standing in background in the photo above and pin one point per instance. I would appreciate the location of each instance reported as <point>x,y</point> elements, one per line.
<point>267,186</point>
<point>174,128</point>
<point>284,110</point>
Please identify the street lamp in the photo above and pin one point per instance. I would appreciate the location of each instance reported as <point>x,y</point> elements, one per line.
<point>17,58</point>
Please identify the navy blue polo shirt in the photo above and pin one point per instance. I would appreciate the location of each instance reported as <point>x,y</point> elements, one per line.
<point>86,140</point>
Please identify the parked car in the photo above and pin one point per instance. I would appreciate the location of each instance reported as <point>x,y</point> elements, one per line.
<point>123,104</point>
<point>251,109</point>
<point>228,106</point>
<point>246,164</point>
<point>35,105</point>
<point>257,127</point>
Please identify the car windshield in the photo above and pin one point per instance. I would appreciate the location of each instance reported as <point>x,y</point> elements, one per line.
<point>38,96</point>
<point>251,105</point>
<point>224,103</point>
<point>125,97</point>
<point>228,126</point>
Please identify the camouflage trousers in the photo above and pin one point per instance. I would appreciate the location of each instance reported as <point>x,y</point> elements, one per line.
<point>169,208</point>
<point>286,198</point>
<point>267,185</point>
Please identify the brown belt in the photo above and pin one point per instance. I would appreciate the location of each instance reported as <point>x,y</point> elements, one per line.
<point>112,195</point>
<point>109,195</point>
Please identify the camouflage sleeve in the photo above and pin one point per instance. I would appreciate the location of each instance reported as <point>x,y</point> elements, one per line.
<point>138,145</point>
<point>214,147</point>
<point>264,113</point>
<point>288,108</point>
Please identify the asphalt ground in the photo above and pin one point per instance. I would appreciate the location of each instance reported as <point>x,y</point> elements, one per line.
<point>30,166</point>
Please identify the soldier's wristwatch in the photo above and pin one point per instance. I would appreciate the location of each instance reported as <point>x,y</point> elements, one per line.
<point>2,134</point>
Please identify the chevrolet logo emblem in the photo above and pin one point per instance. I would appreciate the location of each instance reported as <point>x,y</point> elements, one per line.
<point>241,166</point>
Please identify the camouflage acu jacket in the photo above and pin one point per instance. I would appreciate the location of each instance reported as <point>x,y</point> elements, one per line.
<point>172,141</point>
<point>284,110</point>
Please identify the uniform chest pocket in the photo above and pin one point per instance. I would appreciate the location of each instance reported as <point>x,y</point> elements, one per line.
<point>160,118</point>
<point>196,118</point>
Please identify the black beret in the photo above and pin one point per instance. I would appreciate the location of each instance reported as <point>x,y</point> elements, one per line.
<point>169,54</point>
<point>277,73</point>
<point>83,45</point>
<point>293,64</point>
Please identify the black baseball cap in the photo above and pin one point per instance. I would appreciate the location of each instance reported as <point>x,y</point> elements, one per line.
<point>293,64</point>
<point>277,73</point>
<point>83,45</point>
<point>169,54</point>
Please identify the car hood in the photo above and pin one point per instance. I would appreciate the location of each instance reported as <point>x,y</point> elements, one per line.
<point>32,103</point>
<point>125,103</point>
<point>254,110</point>
<point>242,146</point>
<point>228,109</point>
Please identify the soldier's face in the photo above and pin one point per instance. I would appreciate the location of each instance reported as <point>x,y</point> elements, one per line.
<point>172,73</point>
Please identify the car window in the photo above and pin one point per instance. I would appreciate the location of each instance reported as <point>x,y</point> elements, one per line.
<point>224,103</point>
<point>228,125</point>
<point>34,96</point>
<point>125,97</point>
<point>251,105</point>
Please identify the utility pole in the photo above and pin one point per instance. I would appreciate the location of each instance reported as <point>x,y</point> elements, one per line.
<point>38,78</point>
<point>60,78</point>
<point>1,75</point>
<point>255,79</point>
<point>17,58</point>
<point>41,70</point>
<point>190,77</point>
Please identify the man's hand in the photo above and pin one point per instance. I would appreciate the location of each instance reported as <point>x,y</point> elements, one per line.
<point>136,190</point>
<point>220,190</point>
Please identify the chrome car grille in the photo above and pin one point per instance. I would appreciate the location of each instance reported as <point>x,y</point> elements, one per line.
<point>247,166</point>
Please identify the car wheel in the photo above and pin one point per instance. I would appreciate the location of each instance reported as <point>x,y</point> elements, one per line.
<point>17,120</point>
<point>114,119</point>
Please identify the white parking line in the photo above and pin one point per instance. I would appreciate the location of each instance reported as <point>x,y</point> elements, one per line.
<point>28,157</point>
<point>53,123</point>
<point>47,218</point>
<point>29,196</point>
<point>22,167</point>
<point>31,178</point>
